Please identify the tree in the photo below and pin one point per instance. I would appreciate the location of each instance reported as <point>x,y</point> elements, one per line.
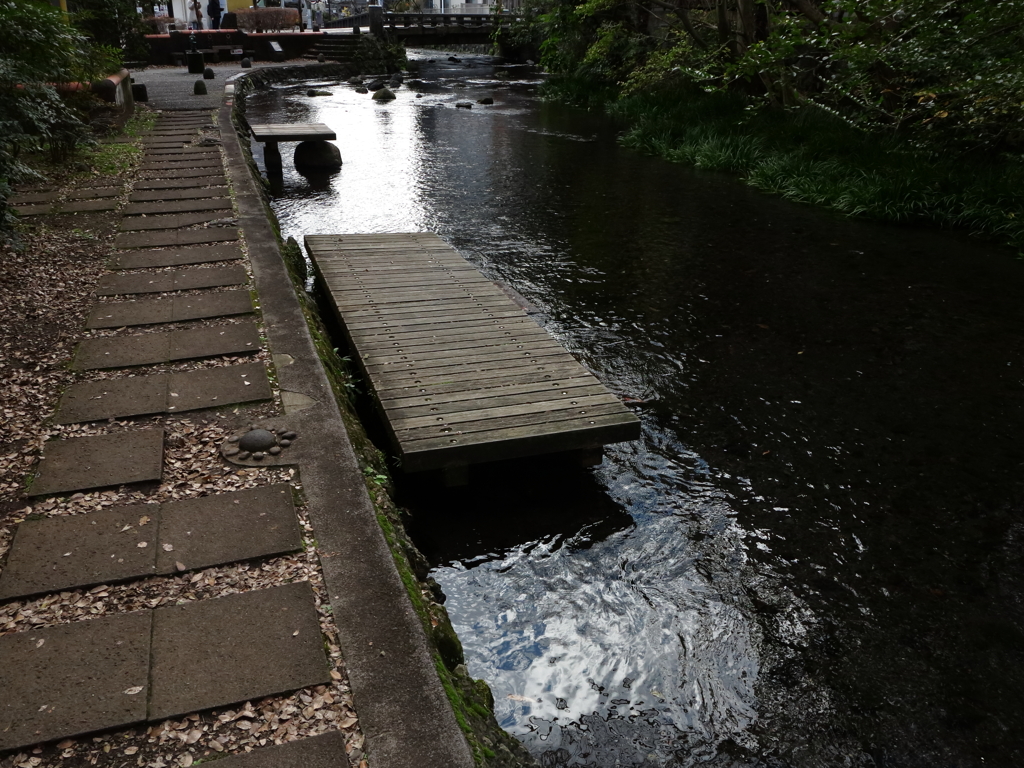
<point>41,51</point>
<point>940,71</point>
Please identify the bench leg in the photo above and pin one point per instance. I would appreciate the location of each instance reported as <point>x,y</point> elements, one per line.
<point>272,159</point>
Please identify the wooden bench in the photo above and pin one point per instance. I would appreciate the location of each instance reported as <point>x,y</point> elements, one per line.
<point>461,373</point>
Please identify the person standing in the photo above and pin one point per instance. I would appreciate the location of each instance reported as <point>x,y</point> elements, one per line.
<point>214,11</point>
<point>195,15</point>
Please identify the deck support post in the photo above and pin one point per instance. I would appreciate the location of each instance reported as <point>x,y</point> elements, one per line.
<point>455,475</point>
<point>590,457</point>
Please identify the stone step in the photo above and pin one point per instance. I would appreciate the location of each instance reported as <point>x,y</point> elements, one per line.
<point>175,280</point>
<point>163,393</point>
<point>119,670</point>
<point>98,461</point>
<point>153,348</point>
<point>169,309</point>
<point>132,542</point>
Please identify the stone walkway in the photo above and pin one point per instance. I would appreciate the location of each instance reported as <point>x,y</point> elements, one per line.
<point>114,671</point>
<point>192,246</point>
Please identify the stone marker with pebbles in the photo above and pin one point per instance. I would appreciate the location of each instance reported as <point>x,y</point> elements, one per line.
<point>257,444</point>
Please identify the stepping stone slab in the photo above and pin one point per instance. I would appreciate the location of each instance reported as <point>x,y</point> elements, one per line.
<point>86,206</point>
<point>152,348</point>
<point>228,528</point>
<point>324,751</point>
<point>169,309</point>
<point>212,653</point>
<point>59,553</point>
<point>33,210</point>
<point>175,257</point>
<point>77,551</point>
<point>176,280</point>
<point>128,240</point>
<point>181,173</point>
<point>92,194</point>
<point>99,461</point>
<point>95,400</point>
<point>33,197</point>
<point>163,393</point>
<point>182,163</point>
<point>206,180</point>
<point>177,221</point>
<point>186,205</point>
<point>182,151</point>
<point>157,195</point>
<point>72,679</point>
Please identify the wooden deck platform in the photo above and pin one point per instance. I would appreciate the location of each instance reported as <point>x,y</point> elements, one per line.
<point>461,373</point>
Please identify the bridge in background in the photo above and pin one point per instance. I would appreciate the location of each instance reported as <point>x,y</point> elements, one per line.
<point>428,28</point>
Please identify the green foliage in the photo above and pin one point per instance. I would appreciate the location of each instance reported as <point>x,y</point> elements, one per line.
<point>937,73</point>
<point>40,52</point>
<point>810,155</point>
<point>115,24</point>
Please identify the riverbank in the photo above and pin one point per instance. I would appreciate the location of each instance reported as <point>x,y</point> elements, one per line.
<point>810,156</point>
<point>350,553</point>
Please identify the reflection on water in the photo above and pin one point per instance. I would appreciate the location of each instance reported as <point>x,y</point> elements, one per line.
<point>813,556</point>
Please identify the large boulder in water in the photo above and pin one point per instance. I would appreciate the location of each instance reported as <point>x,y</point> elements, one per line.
<point>375,85</point>
<point>383,95</point>
<point>319,155</point>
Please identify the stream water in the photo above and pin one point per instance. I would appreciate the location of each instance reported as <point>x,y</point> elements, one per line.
<point>815,554</point>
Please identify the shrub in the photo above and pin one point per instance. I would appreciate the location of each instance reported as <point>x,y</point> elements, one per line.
<point>40,51</point>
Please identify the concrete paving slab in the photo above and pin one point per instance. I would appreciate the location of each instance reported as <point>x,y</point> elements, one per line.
<point>213,387</point>
<point>123,313</point>
<point>180,163</point>
<point>92,194</point>
<point>152,348</point>
<point>228,528</point>
<point>187,205</point>
<point>164,238</point>
<point>147,282</point>
<point>157,195</point>
<point>174,221</point>
<point>59,553</point>
<point>225,650</point>
<point>324,751</point>
<point>33,210</point>
<point>72,679</point>
<point>242,338</point>
<point>177,280</point>
<point>173,257</point>
<point>209,277</point>
<point>33,197</point>
<point>206,180</point>
<point>88,206</point>
<point>165,309</point>
<point>122,352</point>
<point>179,173</point>
<point>99,461</point>
<point>180,152</point>
<point>221,304</point>
<point>111,398</point>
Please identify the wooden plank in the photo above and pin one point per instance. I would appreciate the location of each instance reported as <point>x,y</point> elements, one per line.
<point>461,373</point>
